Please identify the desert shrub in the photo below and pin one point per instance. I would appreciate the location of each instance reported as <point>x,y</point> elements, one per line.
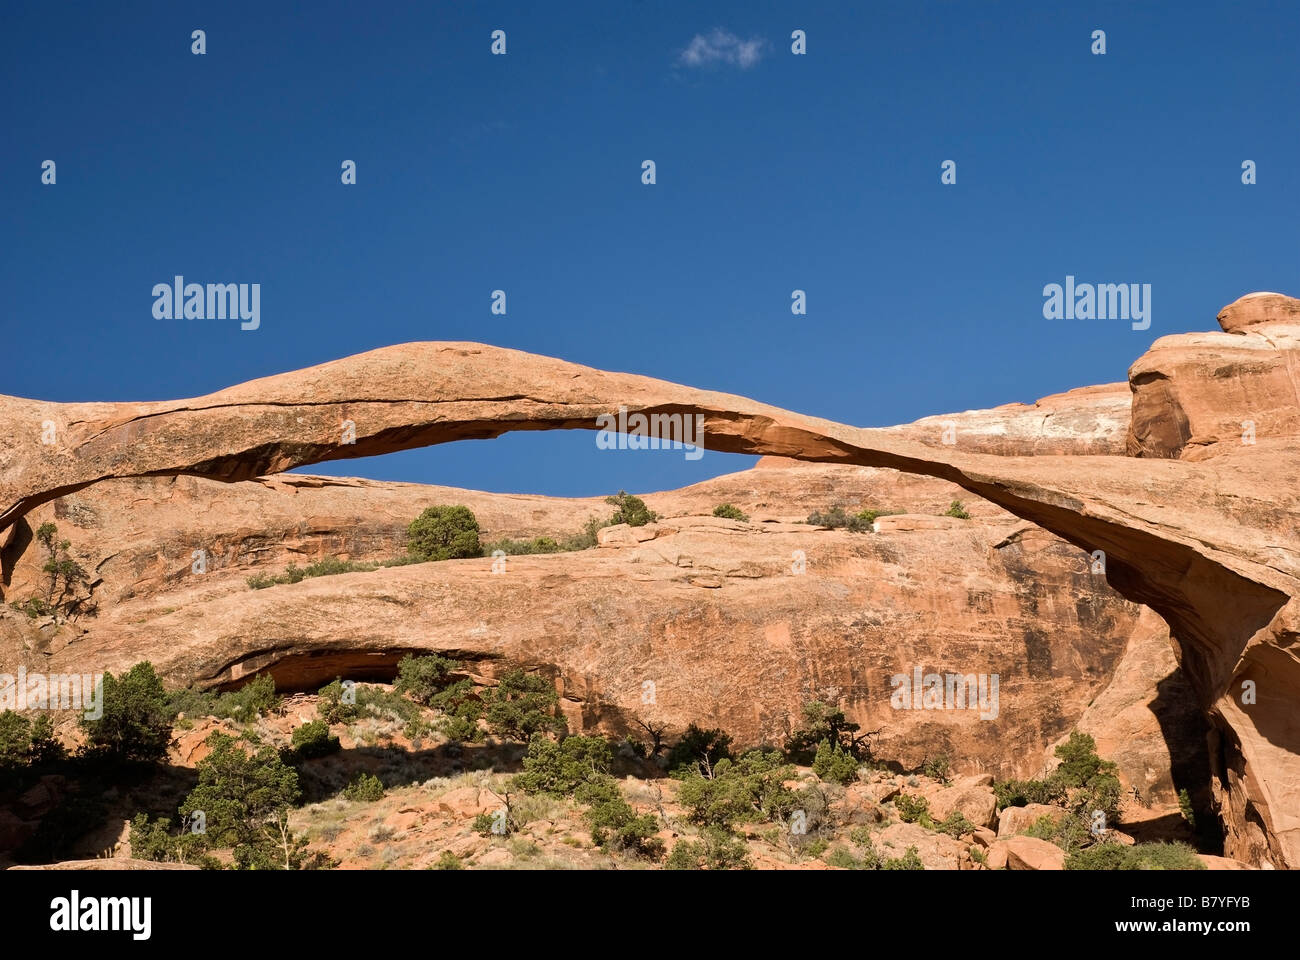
<point>313,739</point>
<point>136,721</point>
<point>1044,828</point>
<point>631,510</point>
<point>253,698</point>
<point>1090,782</point>
<point>955,509</point>
<point>163,841</point>
<point>333,702</point>
<point>955,825</point>
<point>584,539</point>
<point>1185,807</point>
<point>834,764</point>
<point>515,548</point>
<point>937,768</point>
<point>823,722</point>
<point>842,858</point>
<point>522,704</point>
<point>616,826</point>
<point>908,861</point>
<point>420,678</point>
<point>728,512</point>
<point>443,533</point>
<point>749,789</point>
<point>1079,761</point>
<point>913,809</point>
<point>837,518</point>
<point>26,746</point>
<point>715,850</point>
<point>364,789</point>
<point>1141,856</point>
<point>375,701</point>
<point>461,709</point>
<point>698,751</point>
<point>1021,793</point>
<point>560,769</point>
<point>870,859</point>
<point>448,861</point>
<point>244,793</point>
<point>66,576</point>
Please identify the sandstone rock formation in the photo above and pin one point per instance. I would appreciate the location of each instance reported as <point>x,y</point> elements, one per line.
<point>692,602</point>
<point>1208,541</point>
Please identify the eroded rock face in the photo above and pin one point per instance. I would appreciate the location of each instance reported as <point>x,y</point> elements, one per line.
<point>710,610</point>
<point>1198,395</point>
<point>1211,545</point>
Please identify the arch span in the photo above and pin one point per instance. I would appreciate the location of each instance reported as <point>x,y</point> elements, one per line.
<point>1191,540</point>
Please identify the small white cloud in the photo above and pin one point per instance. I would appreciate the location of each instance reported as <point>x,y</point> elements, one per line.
<point>723,47</point>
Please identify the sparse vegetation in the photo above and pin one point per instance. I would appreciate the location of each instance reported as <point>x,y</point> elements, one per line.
<point>63,597</point>
<point>253,699</point>
<point>1141,856</point>
<point>835,763</point>
<point>313,739</point>
<point>443,533</point>
<point>136,723</point>
<point>956,509</point>
<point>728,512</point>
<point>522,704</point>
<point>716,850</point>
<point>366,788</point>
<point>631,510</point>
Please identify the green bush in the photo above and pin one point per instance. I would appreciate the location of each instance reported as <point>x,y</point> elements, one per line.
<point>448,861</point>
<point>834,764</point>
<point>749,789</point>
<point>616,826</point>
<point>698,751</point>
<point>364,789</point>
<point>443,533</point>
<point>823,722</point>
<point>908,861</point>
<point>560,769</point>
<point>1141,856</point>
<point>716,850</point>
<point>164,842</point>
<point>522,704</point>
<point>937,768</point>
<point>913,809</point>
<point>631,510</point>
<point>956,825</point>
<point>1021,793</point>
<point>728,512</point>
<point>313,739</point>
<point>332,705</point>
<point>136,724</point>
<point>836,518</point>
<point>247,703</point>
<point>1185,807</point>
<point>420,678</point>
<point>955,509</point>
<point>244,793</point>
<point>24,743</point>
<point>515,548</point>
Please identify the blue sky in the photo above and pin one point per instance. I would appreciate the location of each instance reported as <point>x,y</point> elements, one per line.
<point>523,173</point>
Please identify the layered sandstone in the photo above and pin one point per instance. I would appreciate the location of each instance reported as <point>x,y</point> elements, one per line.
<point>1209,543</point>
